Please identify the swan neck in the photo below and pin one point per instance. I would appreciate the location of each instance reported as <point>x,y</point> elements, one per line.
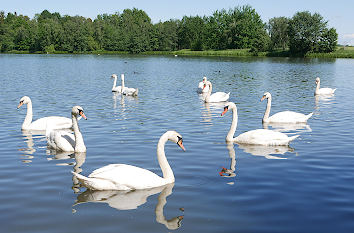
<point>207,97</point>
<point>79,141</point>
<point>161,157</point>
<point>29,116</point>
<point>114,83</point>
<point>267,111</point>
<point>123,85</point>
<point>230,135</point>
<point>317,87</point>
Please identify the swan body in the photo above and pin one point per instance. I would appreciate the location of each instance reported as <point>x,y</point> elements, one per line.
<point>128,177</point>
<point>256,137</point>
<point>54,122</point>
<point>123,89</point>
<point>201,88</point>
<point>282,117</point>
<point>323,91</point>
<point>215,97</point>
<point>64,141</point>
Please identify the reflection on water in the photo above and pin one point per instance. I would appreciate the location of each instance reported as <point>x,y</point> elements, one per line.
<point>210,110</point>
<point>285,127</point>
<point>123,101</point>
<point>230,172</point>
<point>324,99</point>
<point>268,152</point>
<point>30,149</point>
<point>129,200</point>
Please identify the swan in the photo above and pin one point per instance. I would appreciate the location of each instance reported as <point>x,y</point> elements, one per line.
<point>282,117</point>
<point>116,88</point>
<point>56,122</point>
<point>215,97</point>
<point>201,88</point>
<point>64,141</point>
<point>257,137</point>
<point>323,91</point>
<point>127,177</point>
<point>123,89</point>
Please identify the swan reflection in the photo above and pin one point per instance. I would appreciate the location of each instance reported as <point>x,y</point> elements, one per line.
<point>269,152</point>
<point>230,172</point>
<point>325,99</point>
<point>29,150</point>
<point>129,200</point>
<point>284,127</point>
<point>210,110</point>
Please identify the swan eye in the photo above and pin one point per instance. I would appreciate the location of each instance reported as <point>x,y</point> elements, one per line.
<point>179,139</point>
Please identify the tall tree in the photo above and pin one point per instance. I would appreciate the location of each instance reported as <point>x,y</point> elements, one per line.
<point>278,31</point>
<point>307,31</point>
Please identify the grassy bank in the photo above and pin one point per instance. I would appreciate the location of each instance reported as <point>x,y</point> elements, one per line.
<point>341,52</point>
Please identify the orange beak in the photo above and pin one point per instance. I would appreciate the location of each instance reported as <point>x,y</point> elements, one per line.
<point>225,111</point>
<point>204,86</point>
<point>83,115</point>
<point>19,105</point>
<point>180,144</point>
<point>263,98</point>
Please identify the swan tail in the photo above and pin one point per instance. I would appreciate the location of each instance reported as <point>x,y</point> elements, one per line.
<point>135,93</point>
<point>309,115</point>
<point>293,138</point>
<point>334,90</point>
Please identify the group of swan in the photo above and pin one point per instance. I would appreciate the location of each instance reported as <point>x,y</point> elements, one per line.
<point>128,177</point>
<point>123,89</point>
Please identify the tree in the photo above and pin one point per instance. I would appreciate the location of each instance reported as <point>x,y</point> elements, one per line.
<point>278,31</point>
<point>308,33</point>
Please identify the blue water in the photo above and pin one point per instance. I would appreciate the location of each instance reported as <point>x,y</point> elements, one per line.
<point>307,187</point>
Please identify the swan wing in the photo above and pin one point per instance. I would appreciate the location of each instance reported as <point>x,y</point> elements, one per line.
<point>126,177</point>
<point>326,91</point>
<point>264,137</point>
<point>60,140</point>
<point>289,116</point>
<point>219,97</point>
<point>52,122</point>
<point>117,89</point>
<point>130,91</point>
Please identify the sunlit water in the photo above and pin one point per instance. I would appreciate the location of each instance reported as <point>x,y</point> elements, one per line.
<point>307,187</point>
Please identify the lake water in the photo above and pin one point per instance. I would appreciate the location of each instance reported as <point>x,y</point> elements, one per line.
<point>307,187</point>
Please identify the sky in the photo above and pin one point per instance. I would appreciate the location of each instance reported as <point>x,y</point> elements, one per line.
<point>339,14</point>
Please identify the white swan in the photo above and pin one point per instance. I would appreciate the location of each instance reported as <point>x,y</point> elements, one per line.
<point>56,122</point>
<point>323,91</point>
<point>64,141</point>
<point>123,89</point>
<point>282,117</point>
<point>127,177</point>
<point>257,137</point>
<point>201,88</point>
<point>215,97</point>
<point>116,88</point>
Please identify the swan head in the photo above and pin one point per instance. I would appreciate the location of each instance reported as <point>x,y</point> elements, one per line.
<point>174,223</point>
<point>266,95</point>
<point>228,105</point>
<point>113,76</point>
<point>176,138</point>
<point>78,111</point>
<point>204,79</point>
<point>317,80</point>
<point>207,83</point>
<point>24,100</point>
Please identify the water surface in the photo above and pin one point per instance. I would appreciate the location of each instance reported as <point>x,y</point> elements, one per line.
<point>307,187</point>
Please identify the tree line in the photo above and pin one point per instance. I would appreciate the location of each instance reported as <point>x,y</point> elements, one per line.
<point>132,31</point>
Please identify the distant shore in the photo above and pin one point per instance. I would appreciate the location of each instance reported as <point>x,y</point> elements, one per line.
<point>341,52</point>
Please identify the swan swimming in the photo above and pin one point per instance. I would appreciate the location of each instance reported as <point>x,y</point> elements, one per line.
<point>282,117</point>
<point>54,122</point>
<point>323,91</point>
<point>128,177</point>
<point>64,141</point>
<point>215,97</point>
<point>257,137</point>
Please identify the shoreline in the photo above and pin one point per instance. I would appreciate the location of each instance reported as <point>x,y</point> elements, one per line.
<point>342,52</point>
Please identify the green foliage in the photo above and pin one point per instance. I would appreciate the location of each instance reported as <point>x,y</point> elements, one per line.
<point>308,33</point>
<point>278,31</point>
<point>133,32</point>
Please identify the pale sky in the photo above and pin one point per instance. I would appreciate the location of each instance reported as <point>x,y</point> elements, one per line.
<point>339,14</point>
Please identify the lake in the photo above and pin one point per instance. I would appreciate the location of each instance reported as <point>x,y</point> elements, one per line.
<point>306,187</point>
